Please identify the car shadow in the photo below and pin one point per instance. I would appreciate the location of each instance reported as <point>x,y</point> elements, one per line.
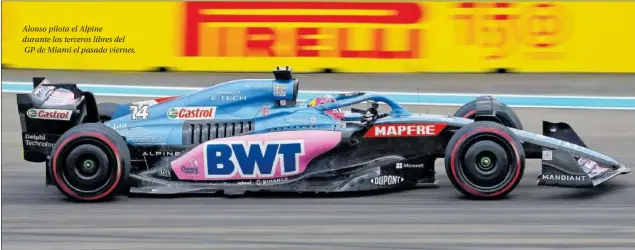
<point>525,193</point>
<point>283,195</point>
<point>589,193</point>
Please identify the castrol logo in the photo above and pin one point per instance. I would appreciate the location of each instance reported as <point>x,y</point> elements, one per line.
<point>50,114</point>
<point>192,113</point>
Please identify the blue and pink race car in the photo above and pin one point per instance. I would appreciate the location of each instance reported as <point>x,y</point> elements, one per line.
<point>253,135</point>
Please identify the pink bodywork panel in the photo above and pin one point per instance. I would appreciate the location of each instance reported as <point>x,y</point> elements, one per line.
<point>191,166</point>
<point>59,98</point>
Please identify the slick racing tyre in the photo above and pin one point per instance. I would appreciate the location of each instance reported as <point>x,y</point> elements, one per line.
<point>90,162</point>
<point>504,113</point>
<point>484,160</point>
<point>106,111</point>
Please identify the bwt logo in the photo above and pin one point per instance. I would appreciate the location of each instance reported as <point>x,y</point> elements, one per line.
<point>253,159</point>
<point>253,29</point>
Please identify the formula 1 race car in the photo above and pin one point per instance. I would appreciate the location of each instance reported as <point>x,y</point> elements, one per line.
<point>253,135</point>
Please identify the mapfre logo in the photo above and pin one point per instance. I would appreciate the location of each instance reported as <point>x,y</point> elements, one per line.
<point>404,130</point>
<point>50,114</point>
<point>192,113</point>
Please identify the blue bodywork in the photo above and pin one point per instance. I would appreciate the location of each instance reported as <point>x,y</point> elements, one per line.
<point>256,94</point>
<point>246,99</point>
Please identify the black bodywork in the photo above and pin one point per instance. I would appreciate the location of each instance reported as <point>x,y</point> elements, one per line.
<point>356,164</point>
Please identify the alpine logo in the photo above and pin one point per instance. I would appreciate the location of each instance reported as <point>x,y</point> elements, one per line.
<point>50,114</point>
<point>253,159</point>
<point>404,130</point>
<point>192,113</point>
<point>386,180</point>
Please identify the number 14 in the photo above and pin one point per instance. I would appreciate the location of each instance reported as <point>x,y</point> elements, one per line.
<point>139,112</point>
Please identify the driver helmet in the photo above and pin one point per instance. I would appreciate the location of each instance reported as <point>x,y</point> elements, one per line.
<point>335,113</point>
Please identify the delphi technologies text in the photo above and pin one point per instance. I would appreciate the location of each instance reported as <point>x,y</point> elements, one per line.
<point>39,140</point>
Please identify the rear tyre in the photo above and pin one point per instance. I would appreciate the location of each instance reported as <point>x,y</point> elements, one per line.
<point>484,160</point>
<point>90,162</point>
<point>504,113</point>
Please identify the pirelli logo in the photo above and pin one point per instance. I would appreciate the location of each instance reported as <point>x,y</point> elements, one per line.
<point>304,29</point>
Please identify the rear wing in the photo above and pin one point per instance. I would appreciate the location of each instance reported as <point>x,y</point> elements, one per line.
<point>49,111</point>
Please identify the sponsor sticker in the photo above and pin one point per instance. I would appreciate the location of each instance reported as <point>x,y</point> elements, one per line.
<point>279,89</point>
<point>404,130</point>
<point>38,140</point>
<point>401,165</point>
<point>229,92</point>
<point>192,113</point>
<point>300,121</point>
<point>253,159</point>
<point>229,98</point>
<point>50,114</point>
<point>161,153</point>
<point>142,136</point>
<point>191,169</point>
<point>164,172</point>
<point>271,181</point>
<point>117,126</point>
<point>547,155</point>
<point>386,180</point>
<point>562,177</point>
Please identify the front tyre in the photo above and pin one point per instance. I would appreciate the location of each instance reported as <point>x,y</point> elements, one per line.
<point>90,162</point>
<point>484,160</point>
<point>504,113</point>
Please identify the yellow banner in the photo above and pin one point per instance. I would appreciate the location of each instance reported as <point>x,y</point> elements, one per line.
<point>310,36</point>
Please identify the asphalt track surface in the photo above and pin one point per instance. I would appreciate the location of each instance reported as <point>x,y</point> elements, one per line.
<point>35,217</point>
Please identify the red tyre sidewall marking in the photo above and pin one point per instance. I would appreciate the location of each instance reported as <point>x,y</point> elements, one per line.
<point>63,185</point>
<point>491,130</point>
<point>469,114</point>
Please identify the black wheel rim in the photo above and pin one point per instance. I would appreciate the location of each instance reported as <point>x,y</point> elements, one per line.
<point>484,162</point>
<point>87,166</point>
<point>88,172</point>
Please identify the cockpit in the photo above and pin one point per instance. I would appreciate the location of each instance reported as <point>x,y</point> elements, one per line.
<point>286,88</point>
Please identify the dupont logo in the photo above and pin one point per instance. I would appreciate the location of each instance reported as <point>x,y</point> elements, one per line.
<point>404,130</point>
<point>192,113</point>
<point>386,180</point>
<point>49,114</point>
